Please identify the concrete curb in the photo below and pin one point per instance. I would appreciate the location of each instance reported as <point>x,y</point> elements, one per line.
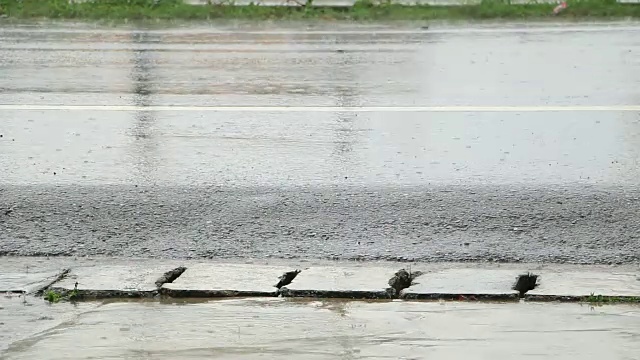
<point>130,279</point>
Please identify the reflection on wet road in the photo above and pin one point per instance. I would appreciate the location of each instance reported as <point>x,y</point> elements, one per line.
<point>194,67</point>
<point>270,328</point>
<point>316,148</point>
<point>593,152</point>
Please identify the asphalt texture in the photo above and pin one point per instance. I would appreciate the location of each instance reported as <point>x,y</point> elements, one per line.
<point>333,177</point>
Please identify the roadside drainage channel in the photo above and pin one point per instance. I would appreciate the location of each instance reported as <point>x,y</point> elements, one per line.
<point>404,284</point>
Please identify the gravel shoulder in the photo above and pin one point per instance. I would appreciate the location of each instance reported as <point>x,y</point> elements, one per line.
<point>585,225</point>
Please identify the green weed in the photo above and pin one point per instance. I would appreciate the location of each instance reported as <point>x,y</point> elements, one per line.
<point>600,299</point>
<point>53,296</point>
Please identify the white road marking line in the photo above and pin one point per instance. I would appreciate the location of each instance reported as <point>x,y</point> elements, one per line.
<point>572,108</point>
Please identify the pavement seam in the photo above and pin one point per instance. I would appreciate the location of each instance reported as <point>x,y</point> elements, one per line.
<point>63,274</point>
<point>88,294</point>
<point>461,297</point>
<point>195,293</point>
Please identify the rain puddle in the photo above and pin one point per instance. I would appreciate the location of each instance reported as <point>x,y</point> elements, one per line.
<point>305,329</point>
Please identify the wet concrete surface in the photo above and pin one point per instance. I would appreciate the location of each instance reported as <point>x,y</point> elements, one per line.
<point>140,277</point>
<point>586,282</point>
<point>266,328</point>
<point>28,282</point>
<point>232,278</point>
<point>23,318</point>
<point>494,282</point>
<point>396,185</point>
<point>342,282</point>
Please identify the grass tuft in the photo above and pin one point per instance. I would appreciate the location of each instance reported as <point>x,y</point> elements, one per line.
<point>599,299</point>
<point>53,296</point>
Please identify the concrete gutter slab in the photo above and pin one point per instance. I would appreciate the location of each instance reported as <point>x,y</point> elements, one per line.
<point>225,280</point>
<point>26,282</point>
<point>29,274</point>
<point>341,282</point>
<point>485,284</point>
<point>570,285</point>
<point>104,281</point>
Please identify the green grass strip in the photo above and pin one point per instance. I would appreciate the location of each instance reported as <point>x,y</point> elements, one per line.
<point>363,10</point>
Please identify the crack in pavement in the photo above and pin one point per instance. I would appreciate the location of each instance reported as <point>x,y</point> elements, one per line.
<point>63,274</point>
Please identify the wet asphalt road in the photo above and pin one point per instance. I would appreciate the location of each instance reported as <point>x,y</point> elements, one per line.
<point>322,173</point>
